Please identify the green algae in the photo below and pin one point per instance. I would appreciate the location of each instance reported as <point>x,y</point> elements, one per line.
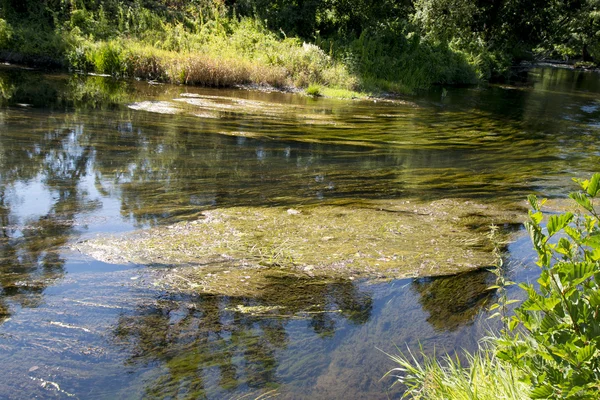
<point>234,250</point>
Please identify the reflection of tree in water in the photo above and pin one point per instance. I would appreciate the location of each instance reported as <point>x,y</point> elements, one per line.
<point>27,88</point>
<point>232,342</point>
<point>29,246</point>
<point>166,168</point>
<point>454,301</point>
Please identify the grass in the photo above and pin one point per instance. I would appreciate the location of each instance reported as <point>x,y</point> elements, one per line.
<point>249,55</point>
<point>485,377</point>
<point>313,90</point>
<point>343,93</point>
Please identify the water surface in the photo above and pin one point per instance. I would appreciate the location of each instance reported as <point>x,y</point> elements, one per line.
<point>82,156</point>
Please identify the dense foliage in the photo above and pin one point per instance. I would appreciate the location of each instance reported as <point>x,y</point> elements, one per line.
<point>558,343</point>
<point>550,346</point>
<point>383,44</point>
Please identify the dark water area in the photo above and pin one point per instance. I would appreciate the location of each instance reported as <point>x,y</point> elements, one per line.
<point>87,155</point>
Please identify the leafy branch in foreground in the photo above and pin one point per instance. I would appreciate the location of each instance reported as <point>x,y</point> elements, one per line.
<point>555,336</point>
<point>551,344</point>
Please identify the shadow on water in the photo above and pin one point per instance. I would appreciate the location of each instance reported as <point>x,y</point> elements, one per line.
<point>32,231</point>
<point>296,337</point>
<point>233,342</point>
<point>454,301</point>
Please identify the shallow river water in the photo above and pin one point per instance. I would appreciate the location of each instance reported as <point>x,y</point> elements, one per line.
<point>82,156</point>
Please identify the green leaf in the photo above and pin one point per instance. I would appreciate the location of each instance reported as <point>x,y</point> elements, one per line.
<point>582,271</point>
<point>594,299</point>
<point>582,200</point>
<point>573,233</point>
<point>576,393</point>
<point>592,241</point>
<point>585,353</point>
<point>533,201</point>
<point>549,303</point>
<point>536,217</point>
<point>583,183</point>
<point>548,323</point>
<point>595,255</point>
<point>494,315</point>
<point>531,305</point>
<point>514,321</point>
<point>542,392</point>
<point>590,223</point>
<point>527,287</point>
<point>574,274</point>
<point>564,246</point>
<point>537,237</point>
<point>558,222</point>
<point>594,185</point>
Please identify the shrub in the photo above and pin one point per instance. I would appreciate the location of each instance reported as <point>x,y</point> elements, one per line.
<point>552,342</point>
<point>5,34</point>
<point>556,340</point>
<point>396,59</point>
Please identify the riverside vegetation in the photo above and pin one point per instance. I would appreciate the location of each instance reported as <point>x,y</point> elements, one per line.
<point>550,347</point>
<point>335,47</point>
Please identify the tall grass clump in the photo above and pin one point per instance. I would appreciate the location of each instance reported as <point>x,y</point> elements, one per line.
<point>551,342</point>
<point>313,90</point>
<point>482,376</point>
<point>108,58</point>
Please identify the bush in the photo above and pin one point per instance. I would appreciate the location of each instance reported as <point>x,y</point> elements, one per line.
<point>393,56</point>
<point>556,340</point>
<point>552,342</point>
<point>5,34</point>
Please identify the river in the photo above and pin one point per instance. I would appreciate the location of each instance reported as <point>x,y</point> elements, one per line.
<point>83,156</point>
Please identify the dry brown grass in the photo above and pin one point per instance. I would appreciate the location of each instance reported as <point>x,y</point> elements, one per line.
<point>200,69</point>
